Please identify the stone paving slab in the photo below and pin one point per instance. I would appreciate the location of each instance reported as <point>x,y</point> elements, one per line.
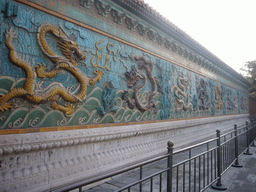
<point>131,176</point>
<point>241,179</point>
<point>235,179</point>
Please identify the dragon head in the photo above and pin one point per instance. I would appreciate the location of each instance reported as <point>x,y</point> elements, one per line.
<point>133,77</point>
<point>71,50</point>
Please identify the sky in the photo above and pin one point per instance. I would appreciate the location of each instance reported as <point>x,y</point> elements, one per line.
<point>227,28</point>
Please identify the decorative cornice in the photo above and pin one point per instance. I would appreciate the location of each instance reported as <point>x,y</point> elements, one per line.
<point>102,7</point>
<point>147,13</point>
<point>86,3</point>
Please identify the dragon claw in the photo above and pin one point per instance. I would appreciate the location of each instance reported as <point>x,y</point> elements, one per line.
<point>99,74</point>
<point>40,70</point>
<point>5,106</point>
<point>69,109</point>
<point>10,33</point>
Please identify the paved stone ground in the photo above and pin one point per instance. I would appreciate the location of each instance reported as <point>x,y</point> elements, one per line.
<point>119,181</point>
<point>241,179</point>
<point>235,179</point>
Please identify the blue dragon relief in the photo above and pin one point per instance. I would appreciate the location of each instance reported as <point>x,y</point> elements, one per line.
<point>195,102</point>
<point>229,99</point>
<point>203,95</point>
<point>244,103</point>
<point>224,89</point>
<point>212,87</point>
<point>166,102</point>
<point>108,99</point>
<point>165,77</point>
<point>236,104</point>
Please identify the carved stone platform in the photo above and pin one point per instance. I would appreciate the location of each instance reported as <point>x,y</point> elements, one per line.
<point>40,161</point>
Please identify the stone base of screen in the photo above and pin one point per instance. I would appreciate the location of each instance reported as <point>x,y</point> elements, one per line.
<point>41,161</point>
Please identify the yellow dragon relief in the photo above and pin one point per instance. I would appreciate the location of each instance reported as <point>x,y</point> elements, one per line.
<point>218,97</point>
<point>73,55</point>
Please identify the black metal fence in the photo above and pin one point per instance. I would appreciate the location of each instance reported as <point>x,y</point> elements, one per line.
<point>194,168</point>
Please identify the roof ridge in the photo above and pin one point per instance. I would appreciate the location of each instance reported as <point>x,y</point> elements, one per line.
<point>155,15</point>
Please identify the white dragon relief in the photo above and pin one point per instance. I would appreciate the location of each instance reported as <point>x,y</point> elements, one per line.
<point>181,94</point>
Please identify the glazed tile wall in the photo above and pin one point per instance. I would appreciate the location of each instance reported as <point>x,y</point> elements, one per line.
<point>130,85</point>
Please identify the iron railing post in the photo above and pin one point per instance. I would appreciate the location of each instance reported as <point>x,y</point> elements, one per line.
<point>247,140</point>
<point>236,164</point>
<point>169,165</point>
<point>218,185</point>
<point>141,175</point>
<point>253,134</point>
